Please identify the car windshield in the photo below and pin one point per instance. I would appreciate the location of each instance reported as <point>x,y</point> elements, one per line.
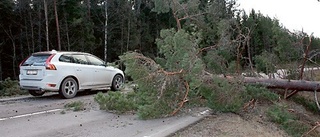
<point>36,60</point>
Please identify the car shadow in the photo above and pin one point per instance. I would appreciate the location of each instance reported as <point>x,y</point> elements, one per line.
<point>55,95</point>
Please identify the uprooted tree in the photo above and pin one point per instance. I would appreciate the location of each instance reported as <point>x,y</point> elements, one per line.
<point>191,57</point>
<point>199,62</point>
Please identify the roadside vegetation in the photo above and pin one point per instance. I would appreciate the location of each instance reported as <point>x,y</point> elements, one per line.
<point>191,69</point>
<point>75,106</point>
<point>10,87</point>
<point>278,113</point>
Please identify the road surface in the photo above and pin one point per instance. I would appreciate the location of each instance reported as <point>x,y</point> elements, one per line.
<point>46,116</point>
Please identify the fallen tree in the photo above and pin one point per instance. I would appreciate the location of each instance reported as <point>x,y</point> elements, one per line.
<point>295,85</point>
<point>298,85</point>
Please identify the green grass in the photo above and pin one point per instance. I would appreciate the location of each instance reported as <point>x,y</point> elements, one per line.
<point>287,121</point>
<point>309,104</point>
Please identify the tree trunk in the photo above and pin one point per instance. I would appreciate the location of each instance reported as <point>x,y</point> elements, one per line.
<point>106,31</point>
<point>21,45</point>
<point>47,23</point>
<point>57,24</point>
<point>128,34</point>
<point>32,33</point>
<point>89,8</point>
<point>39,28</point>
<point>0,69</point>
<point>299,85</point>
<point>9,33</point>
<point>67,32</point>
<point>1,62</point>
<point>27,36</point>
<point>305,58</point>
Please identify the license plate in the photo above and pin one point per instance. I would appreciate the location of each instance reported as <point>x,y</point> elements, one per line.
<point>32,72</point>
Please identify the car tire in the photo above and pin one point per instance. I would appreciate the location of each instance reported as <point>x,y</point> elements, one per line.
<point>36,93</point>
<point>68,88</point>
<point>117,82</point>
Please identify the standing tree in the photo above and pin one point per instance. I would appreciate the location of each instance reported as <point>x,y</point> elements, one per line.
<point>106,31</point>
<point>57,24</point>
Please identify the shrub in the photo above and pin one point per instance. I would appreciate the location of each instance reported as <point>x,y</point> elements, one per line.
<point>229,96</point>
<point>260,93</point>
<point>223,95</point>
<point>76,106</point>
<point>154,110</point>
<point>116,101</point>
<point>10,87</point>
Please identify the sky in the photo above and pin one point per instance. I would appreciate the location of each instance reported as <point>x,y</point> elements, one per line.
<point>292,14</point>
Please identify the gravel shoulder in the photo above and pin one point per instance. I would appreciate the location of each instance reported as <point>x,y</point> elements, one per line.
<point>229,124</point>
<point>251,123</point>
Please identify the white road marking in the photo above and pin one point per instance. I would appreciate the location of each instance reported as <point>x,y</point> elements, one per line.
<point>30,114</point>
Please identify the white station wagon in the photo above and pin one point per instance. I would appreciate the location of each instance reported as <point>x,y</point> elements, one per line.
<point>67,73</point>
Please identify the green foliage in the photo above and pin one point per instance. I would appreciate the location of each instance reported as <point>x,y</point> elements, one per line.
<point>279,114</point>
<point>163,85</point>
<point>288,121</point>
<point>259,93</point>
<point>223,95</point>
<point>10,87</point>
<point>155,110</point>
<point>75,106</point>
<point>116,101</point>
<point>161,6</point>
<point>266,62</point>
<point>230,95</point>
<point>307,103</point>
<point>295,128</point>
<point>218,66</point>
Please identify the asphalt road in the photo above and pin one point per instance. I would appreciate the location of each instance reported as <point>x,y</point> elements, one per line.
<point>29,116</point>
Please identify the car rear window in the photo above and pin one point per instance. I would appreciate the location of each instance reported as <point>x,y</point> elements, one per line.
<point>36,60</point>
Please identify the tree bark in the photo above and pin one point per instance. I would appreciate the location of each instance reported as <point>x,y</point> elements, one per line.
<point>32,33</point>
<point>0,69</point>
<point>106,31</point>
<point>57,24</point>
<point>1,62</point>
<point>47,23</point>
<point>11,37</point>
<point>67,33</point>
<point>305,58</point>
<point>39,28</point>
<point>299,85</point>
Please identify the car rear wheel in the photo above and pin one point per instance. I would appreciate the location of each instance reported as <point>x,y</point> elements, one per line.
<point>36,93</point>
<point>69,88</point>
<point>117,82</point>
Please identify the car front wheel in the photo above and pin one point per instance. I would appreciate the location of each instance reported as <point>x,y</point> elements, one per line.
<point>36,93</point>
<point>117,82</point>
<point>69,88</point>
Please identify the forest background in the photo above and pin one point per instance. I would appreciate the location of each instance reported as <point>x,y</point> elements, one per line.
<point>227,39</point>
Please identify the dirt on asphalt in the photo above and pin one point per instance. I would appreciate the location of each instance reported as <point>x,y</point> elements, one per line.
<point>252,123</point>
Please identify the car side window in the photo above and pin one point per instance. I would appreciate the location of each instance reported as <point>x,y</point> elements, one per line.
<point>66,58</point>
<point>95,61</point>
<point>80,59</point>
